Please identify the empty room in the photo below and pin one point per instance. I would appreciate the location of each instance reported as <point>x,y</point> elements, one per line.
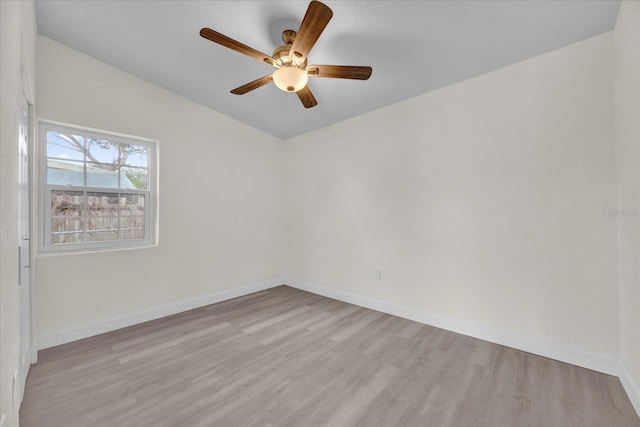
<point>305,213</point>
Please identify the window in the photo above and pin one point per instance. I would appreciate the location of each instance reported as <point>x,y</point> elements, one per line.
<point>98,190</point>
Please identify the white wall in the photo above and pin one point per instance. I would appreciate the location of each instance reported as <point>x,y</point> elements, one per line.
<point>626,41</point>
<point>17,54</point>
<point>220,197</point>
<point>482,201</point>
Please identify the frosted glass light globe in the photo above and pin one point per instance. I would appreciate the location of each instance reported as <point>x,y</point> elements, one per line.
<point>290,78</point>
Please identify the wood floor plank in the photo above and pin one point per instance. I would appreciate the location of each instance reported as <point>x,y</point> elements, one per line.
<point>350,411</point>
<point>285,357</point>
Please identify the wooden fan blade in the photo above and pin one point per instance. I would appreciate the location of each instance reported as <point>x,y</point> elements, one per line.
<point>252,85</point>
<point>340,71</point>
<point>225,41</point>
<point>315,20</point>
<point>306,97</point>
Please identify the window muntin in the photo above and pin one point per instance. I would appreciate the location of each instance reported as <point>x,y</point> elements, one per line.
<point>98,189</point>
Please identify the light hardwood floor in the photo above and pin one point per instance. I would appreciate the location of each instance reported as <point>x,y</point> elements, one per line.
<point>284,357</point>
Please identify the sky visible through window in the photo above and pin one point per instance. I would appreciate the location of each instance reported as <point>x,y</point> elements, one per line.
<point>61,146</point>
<point>107,163</point>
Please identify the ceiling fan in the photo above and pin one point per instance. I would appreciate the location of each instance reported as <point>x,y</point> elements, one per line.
<point>292,73</point>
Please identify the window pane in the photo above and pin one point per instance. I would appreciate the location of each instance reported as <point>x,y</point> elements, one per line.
<point>132,227</point>
<point>132,234</point>
<point>102,204</point>
<point>66,216</point>
<point>66,230</point>
<point>66,203</point>
<point>102,151</point>
<point>135,155</point>
<point>65,147</point>
<point>102,175</point>
<point>131,204</point>
<point>102,223</point>
<point>133,178</point>
<point>62,225</point>
<point>101,236</point>
<point>64,172</point>
<point>66,238</point>
<point>100,228</point>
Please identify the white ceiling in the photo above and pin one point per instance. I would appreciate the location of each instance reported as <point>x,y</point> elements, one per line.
<point>414,47</point>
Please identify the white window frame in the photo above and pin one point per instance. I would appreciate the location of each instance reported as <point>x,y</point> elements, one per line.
<point>45,190</point>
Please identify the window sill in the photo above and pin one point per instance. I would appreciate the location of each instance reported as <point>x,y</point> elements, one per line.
<point>79,251</point>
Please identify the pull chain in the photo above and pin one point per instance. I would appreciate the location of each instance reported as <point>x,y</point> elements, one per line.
<point>289,107</point>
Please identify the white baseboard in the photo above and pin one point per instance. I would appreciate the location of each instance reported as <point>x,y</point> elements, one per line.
<point>631,386</point>
<point>122,321</point>
<point>558,351</point>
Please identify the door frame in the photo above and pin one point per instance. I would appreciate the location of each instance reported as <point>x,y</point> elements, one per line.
<point>28,346</point>
<point>24,245</point>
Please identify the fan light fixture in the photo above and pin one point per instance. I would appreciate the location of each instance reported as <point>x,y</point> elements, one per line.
<point>290,78</point>
<point>290,59</point>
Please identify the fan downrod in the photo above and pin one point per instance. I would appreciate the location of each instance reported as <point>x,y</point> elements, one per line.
<point>288,36</point>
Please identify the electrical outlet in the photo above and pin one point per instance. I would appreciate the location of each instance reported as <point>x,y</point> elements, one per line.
<point>377,274</point>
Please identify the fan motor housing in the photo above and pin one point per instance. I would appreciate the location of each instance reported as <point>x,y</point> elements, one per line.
<point>281,53</point>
